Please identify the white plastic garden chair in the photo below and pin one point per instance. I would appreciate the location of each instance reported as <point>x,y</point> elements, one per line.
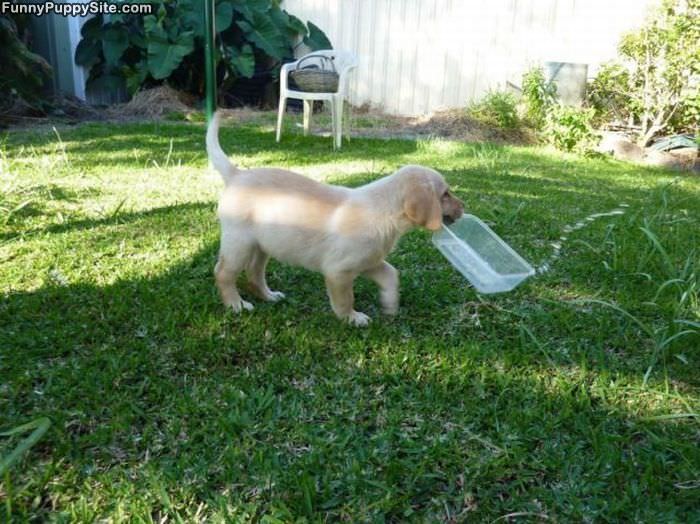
<point>344,62</point>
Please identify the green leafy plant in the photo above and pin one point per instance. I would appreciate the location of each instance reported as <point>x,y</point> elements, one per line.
<point>22,73</point>
<point>608,93</point>
<point>569,128</point>
<point>687,117</point>
<point>497,108</point>
<point>169,45</point>
<point>538,96</point>
<point>652,85</point>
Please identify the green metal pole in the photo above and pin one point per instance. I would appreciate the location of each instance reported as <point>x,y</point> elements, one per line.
<point>209,62</point>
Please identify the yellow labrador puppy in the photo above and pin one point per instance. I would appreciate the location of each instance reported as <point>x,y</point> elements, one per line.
<point>338,231</point>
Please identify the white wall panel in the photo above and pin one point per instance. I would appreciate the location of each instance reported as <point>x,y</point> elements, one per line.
<point>418,56</point>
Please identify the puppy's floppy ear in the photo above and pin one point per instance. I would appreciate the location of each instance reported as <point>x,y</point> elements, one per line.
<point>422,207</point>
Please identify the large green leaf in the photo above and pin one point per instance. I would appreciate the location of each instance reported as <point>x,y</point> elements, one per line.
<point>224,16</point>
<point>317,39</point>
<point>296,26</point>
<point>192,15</point>
<point>248,8</point>
<point>89,48</point>
<point>135,76</point>
<point>138,39</point>
<point>92,28</point>
<point>115,41</point>
<point>87,54</point>
<point>288,25</point>
<point>118,18</point>
<point>164,56</point>
<point>153,28</point>
<point>265,35</point>
<point>242,60</point>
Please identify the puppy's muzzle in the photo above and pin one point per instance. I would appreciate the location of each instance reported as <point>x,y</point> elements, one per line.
<point>453,211</point>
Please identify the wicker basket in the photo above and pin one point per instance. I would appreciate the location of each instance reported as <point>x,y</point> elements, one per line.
<point>314,78</point>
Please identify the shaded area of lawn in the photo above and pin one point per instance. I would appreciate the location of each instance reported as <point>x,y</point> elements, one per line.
<point>463,407</point>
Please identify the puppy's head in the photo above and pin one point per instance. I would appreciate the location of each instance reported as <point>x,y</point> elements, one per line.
<point>427,200</point>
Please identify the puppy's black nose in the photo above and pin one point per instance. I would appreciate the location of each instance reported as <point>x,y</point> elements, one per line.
<point>447,219</point>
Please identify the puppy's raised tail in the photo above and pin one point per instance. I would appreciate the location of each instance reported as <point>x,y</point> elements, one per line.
<point>217,157</point>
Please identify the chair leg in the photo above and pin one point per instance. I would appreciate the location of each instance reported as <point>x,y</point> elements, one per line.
<point>348,121</point>
<point>280,114</point>
<point>338,137</point>
<point>308,109</point>
<point>334,121</point>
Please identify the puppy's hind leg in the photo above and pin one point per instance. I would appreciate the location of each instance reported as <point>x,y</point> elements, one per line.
<point>342,298</point>
<point>387,278</point>
<point>256,277</point>
<point>227,269</point>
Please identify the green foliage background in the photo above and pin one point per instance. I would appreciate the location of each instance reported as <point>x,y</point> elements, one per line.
<point>22,73</point>
<point>496,108</point>
<point>538,96</point>
<point>252,36</point>
<point>655,83</point>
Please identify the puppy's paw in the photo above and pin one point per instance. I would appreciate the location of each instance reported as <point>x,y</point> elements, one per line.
<point>239,306</point>
<point>274,296</point>
<point>358,319</point>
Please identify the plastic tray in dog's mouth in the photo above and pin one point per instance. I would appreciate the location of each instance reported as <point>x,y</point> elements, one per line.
<point>490,264</point>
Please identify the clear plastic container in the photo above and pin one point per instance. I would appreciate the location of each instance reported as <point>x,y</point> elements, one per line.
<point>481,255</point>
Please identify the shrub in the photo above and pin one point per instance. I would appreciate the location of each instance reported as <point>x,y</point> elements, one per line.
<point>652,86</point>
<point>608,93</point>
<point>569,128</point>
<point>497,108</point>
<point>687,116</point>
<point>538,96</point>
<point>146,50</point>
<point>22,73</point>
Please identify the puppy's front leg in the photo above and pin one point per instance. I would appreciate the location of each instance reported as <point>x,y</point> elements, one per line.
<point>257,280</point>
<point>339,287</point>
<point>387,278</point>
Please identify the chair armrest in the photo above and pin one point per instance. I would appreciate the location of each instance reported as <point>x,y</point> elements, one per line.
<point>284,75</point>
<point>347,69</point>
<point>343,75</point>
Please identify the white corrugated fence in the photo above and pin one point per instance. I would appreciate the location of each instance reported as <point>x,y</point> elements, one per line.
<point>418,56</point>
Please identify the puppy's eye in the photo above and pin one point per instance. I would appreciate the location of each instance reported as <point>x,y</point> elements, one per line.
<point>446,193</point>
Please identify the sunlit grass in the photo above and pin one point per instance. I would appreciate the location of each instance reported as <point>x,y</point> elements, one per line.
<point>573,397</point>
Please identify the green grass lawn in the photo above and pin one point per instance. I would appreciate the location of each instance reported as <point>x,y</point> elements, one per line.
<point>574,398</point>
